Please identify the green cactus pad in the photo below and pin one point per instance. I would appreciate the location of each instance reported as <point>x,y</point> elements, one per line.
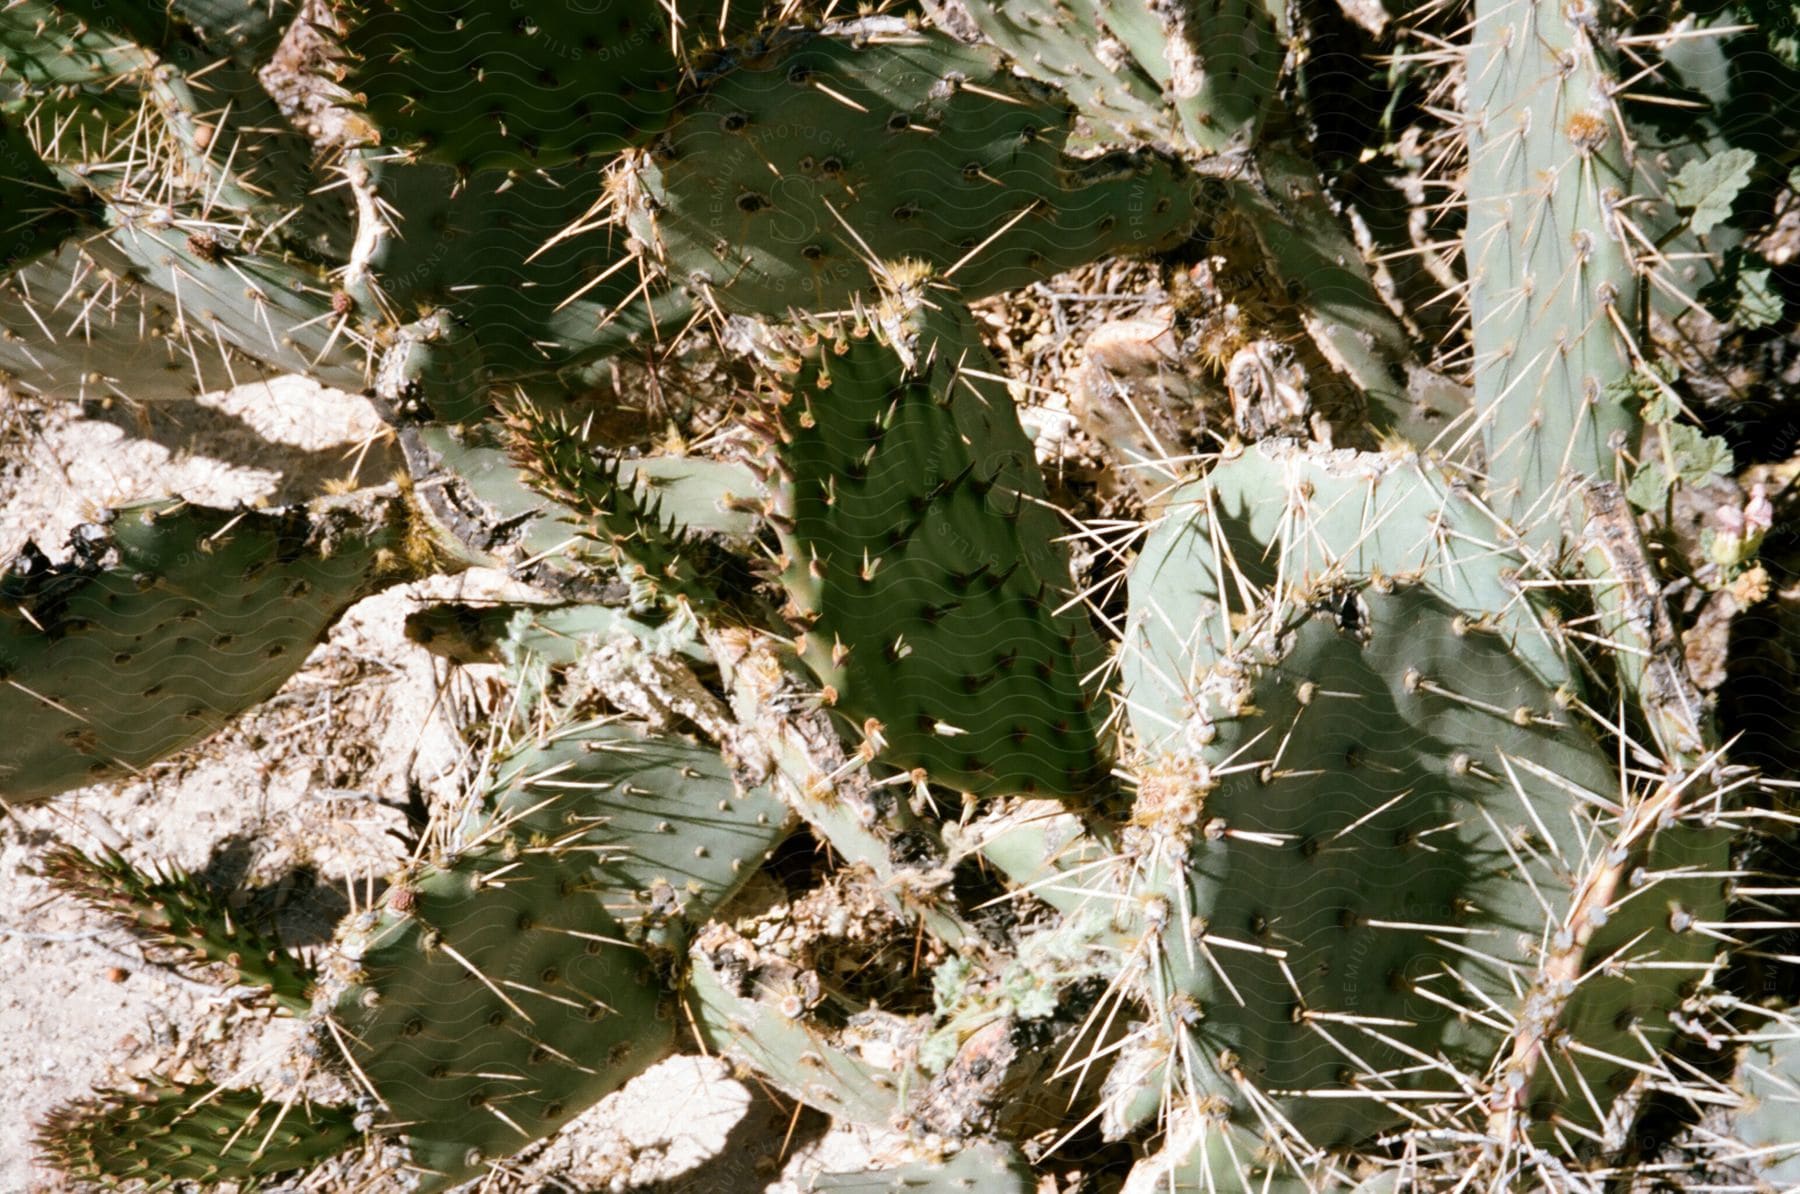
<point>670,834</point>
<point>191,1132</point>
<point>757,1009</point>
<point>128,101</point>
<point>172,620</point>
<point>494,1001</point>
<point>479,250</point>
<point>1551,275</point>
<point>1357,820</point>
<point>267,303</point>
<point>1387,639</point>
<point>984,1168</point>
<point>245,31</point>
<point>1152,71</point>
<point>1055,43</point>
<point>73,325</point>
<point>791,169</point>
<point>646,515</point>
<point>1286,518</point>
<point>492,86</point>
<point>172,908</point>
<point>1763,1139</point>
<point>38,214</point>
<point>923,560</point>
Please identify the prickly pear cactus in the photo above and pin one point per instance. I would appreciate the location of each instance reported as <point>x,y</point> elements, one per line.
<point>486,87</point>
<point>793,170</point>
<point>192,1132</point>
<point>171,619</point>
<point>1332,809</point>
<point>922,559</point>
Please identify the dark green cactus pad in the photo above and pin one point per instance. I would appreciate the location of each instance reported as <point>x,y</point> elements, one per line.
<point>499,993</point>
<point>191,1132</point>
<point>495,1001</point>
<point>45,45</point>
<point>479,250</point>
<point>169,907</point>
<point>36,214</point>
<point>798,163</point>
<point>923,560</point>
<point>243,30</point>
<point>495,86</point>
<point>172,620</point>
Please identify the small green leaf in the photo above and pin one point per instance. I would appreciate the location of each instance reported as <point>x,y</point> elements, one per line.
<point>1697,457</point>
<point>1649,486</point>
<point>1707,187</point>
<point>1758,302</point>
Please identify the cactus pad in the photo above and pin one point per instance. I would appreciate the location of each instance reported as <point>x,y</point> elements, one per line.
<point>167,906</point>
<point>791,170</point>
<point>924,561</point>
<point>492,86</point>
<point>171,620</point>
<point>192,1132</point>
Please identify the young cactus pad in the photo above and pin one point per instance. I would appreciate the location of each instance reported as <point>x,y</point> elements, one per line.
<point>171,620</point>
<point>192,1132</point>
<point>791,171</point>
<point>167,906</point>
<point>923,559</point>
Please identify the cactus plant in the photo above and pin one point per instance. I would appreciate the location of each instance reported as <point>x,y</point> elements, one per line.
<point>1334,817</point>
<point>931,597</point>
<point>900,145</point>
<point>192,1132</point>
